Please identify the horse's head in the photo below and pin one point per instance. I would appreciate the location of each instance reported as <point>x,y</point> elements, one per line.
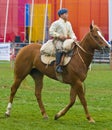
<point>97,37</point>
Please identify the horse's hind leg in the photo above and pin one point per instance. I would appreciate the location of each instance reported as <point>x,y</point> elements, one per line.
<point>13,92</point>
<point>38,78</point>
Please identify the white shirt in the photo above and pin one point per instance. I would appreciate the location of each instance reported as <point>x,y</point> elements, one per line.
<point>61,28</point>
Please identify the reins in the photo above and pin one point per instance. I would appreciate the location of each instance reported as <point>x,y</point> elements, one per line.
<point>83,49</point>
<point>78,46</point>
<point>81,57</point>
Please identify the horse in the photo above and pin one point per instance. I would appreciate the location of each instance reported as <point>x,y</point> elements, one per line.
<point>28,62</point>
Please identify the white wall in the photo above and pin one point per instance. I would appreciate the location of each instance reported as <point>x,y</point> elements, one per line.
<point>5,51</point>
<point>110,20</point>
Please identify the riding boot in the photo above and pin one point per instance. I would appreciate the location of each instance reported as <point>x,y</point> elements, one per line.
<point>58,60</point>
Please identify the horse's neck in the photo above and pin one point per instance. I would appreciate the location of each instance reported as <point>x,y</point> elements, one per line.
<point>86,45</point>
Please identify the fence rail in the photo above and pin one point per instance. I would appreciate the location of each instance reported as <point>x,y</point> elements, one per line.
<point>102,56</point>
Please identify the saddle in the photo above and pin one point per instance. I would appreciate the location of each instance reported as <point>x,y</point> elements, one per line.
<point>48,52</point>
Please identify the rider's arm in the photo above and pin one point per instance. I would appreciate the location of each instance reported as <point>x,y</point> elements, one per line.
<point>71,33</point>
<point>52,30</point>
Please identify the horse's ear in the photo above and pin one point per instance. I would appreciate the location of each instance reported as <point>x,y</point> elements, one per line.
<point>93,22</point>
<point>91,27</point>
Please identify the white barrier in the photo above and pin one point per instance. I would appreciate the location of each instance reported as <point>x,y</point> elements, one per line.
<point>110,19</point>
<point>5,51</point>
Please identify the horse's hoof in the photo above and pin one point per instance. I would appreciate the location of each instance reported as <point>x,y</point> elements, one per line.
<point>7,115</point>
<point>46,118</point>
<point>56,117</point>
<point>91,121</point>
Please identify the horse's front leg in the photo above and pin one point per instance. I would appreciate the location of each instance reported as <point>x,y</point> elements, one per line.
<point>72,100</point>
<point>81,96</point>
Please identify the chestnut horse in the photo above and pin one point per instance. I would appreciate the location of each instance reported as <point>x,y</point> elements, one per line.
<point>28,62</point>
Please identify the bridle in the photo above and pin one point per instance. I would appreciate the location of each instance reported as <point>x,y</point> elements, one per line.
<point>95,40</point>
<point>85,50</point>
<point>88,53</point>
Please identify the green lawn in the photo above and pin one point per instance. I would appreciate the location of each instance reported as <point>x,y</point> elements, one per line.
<point>26,114</point>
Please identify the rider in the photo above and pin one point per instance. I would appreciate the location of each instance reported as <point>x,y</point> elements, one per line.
<point>61,30</point>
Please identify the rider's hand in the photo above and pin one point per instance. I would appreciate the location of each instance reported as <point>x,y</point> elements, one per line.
<point>62,37</point>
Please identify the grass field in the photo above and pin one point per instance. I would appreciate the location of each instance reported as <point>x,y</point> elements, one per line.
<point>26,114</point>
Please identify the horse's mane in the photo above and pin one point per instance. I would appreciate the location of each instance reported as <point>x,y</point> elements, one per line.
<point>95,28</point>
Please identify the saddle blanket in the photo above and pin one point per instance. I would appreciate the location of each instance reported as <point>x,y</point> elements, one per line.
<point>49,59</point>
<point>48,51</point>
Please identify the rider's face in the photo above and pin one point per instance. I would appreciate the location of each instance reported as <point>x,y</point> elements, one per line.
<point>64,16</point>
